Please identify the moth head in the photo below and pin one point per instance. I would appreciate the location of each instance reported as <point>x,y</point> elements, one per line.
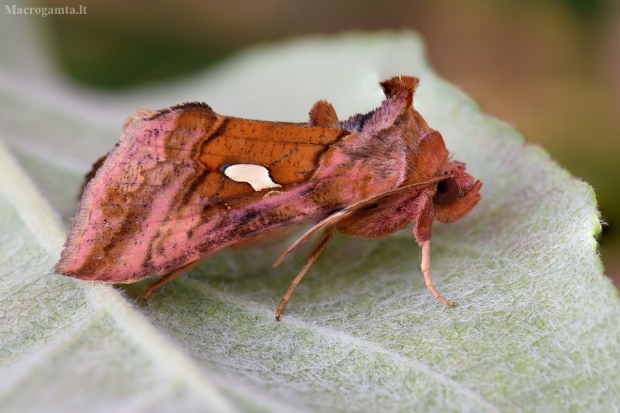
<point>455,195</point>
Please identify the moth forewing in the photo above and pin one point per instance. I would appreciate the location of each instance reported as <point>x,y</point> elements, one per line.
<point>185,182</point>
<point>160,200</point>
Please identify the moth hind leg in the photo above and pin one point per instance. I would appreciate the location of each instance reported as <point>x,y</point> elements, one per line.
<point>166,278</point>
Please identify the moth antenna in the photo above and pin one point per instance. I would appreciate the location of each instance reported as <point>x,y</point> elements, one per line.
<point>336,217</point>
<point>315,255</point>
<point>327,222</point>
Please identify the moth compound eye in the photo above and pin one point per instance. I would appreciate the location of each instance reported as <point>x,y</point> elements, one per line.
<point>447,192</point>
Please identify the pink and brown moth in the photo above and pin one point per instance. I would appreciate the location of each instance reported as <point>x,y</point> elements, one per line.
<point>185,182</point>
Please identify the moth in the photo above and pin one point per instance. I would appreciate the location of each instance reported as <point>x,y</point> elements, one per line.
<point>184,182</point>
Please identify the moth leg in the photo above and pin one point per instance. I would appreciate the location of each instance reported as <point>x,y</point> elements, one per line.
<point>425,266</point>
<point>315,255</point>
<point>166,278</point>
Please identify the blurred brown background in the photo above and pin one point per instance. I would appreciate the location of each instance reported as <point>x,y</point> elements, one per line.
<point>550,67</point>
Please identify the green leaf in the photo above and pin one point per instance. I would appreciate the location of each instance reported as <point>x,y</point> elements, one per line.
<point>536,327</point>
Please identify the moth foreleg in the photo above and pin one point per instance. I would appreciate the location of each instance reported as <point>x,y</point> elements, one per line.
<point>425,266</point>
<point>166,278</point>
<point>315,255</point>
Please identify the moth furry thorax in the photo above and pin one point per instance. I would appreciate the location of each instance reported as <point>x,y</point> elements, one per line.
<point>185,182</point>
